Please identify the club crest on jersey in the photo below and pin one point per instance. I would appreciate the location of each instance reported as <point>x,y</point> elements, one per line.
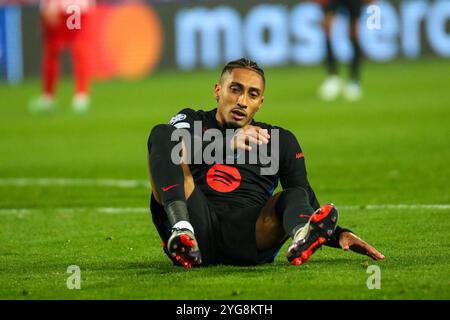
<point>177,118</point>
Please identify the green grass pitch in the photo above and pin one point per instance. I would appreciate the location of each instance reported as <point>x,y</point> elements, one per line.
<point>380,160</point>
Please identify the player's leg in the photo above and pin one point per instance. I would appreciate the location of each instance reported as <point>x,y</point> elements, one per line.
<point>290,214</point>
<point>356,59</point>
<point>172,184</point>
<point>281,217</point>
<point>50,64</point>
<point>353,89</point>
<point>52,44</point>
<point>331,63</point>
<point>205,223</point>
<point>181,253</point>
<point>189,185</point>
<point>167,177</point>
<point>201,217</point>
<point>80,47</point>
<point>269,226</point>
<point>331,87</point>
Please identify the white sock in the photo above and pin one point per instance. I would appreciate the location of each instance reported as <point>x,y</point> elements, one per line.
<point>302,232</point>
<point>183,225</point>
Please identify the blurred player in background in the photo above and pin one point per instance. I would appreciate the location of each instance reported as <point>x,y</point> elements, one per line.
<point>334,85</point>
<point>64,24</point>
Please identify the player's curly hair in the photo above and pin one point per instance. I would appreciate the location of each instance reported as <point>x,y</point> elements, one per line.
<point>246,64</point>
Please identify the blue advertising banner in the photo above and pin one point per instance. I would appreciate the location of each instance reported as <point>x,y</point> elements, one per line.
<point>11,58</point>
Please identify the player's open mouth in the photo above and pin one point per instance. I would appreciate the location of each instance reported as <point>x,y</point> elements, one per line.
<point>238,114</point>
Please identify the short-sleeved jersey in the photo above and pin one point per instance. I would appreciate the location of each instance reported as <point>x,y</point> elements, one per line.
<point>242,185</point>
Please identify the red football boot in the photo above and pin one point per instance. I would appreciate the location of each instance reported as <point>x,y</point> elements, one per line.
<point>183,247</point>
<point>313,235</point>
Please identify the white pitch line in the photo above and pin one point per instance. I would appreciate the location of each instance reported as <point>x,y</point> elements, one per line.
<point>140,210</point>
<point>131,184</point>
<point>122,210</point>
<point>26,211</point>
<point>69,182</point>
<point>397,207</point>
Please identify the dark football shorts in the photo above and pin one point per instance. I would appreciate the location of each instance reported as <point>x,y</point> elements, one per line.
<point>225,235</point>
<point>352,6</point>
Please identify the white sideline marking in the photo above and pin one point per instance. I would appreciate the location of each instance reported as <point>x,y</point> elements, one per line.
<point>68,182</point>
<point>24,211</point>
<point>397,206</point>
<point>130,184</point>
<point>138,210</point>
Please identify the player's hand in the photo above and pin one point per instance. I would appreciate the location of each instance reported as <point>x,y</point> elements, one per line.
<point>349,241</point>
<point>248,135</point>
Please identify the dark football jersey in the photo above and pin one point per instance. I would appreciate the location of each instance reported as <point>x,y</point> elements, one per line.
<point>241,185</point>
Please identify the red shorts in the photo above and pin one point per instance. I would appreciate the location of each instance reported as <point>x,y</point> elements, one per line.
<point>59,34</point>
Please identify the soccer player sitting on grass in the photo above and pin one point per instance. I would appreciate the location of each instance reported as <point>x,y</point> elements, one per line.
<point>221,209</point>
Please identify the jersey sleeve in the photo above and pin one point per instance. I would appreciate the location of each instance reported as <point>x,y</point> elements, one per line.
<point>184,123</point>
<point>292,166</point>
<point>184,119</point>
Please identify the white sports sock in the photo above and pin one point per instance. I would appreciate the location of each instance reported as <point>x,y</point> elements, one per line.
<point>302,232</point>
<point>183,225</point>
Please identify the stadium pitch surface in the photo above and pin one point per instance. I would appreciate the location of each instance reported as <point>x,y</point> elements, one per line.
<point>73,189</point>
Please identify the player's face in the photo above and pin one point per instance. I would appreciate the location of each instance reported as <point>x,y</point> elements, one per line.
<point>239,96</point>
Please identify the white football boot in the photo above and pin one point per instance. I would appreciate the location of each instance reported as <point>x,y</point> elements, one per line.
<point>42,104</point>
<point>81,103</point>
<point>330,88</point>
<point>353,91</point>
